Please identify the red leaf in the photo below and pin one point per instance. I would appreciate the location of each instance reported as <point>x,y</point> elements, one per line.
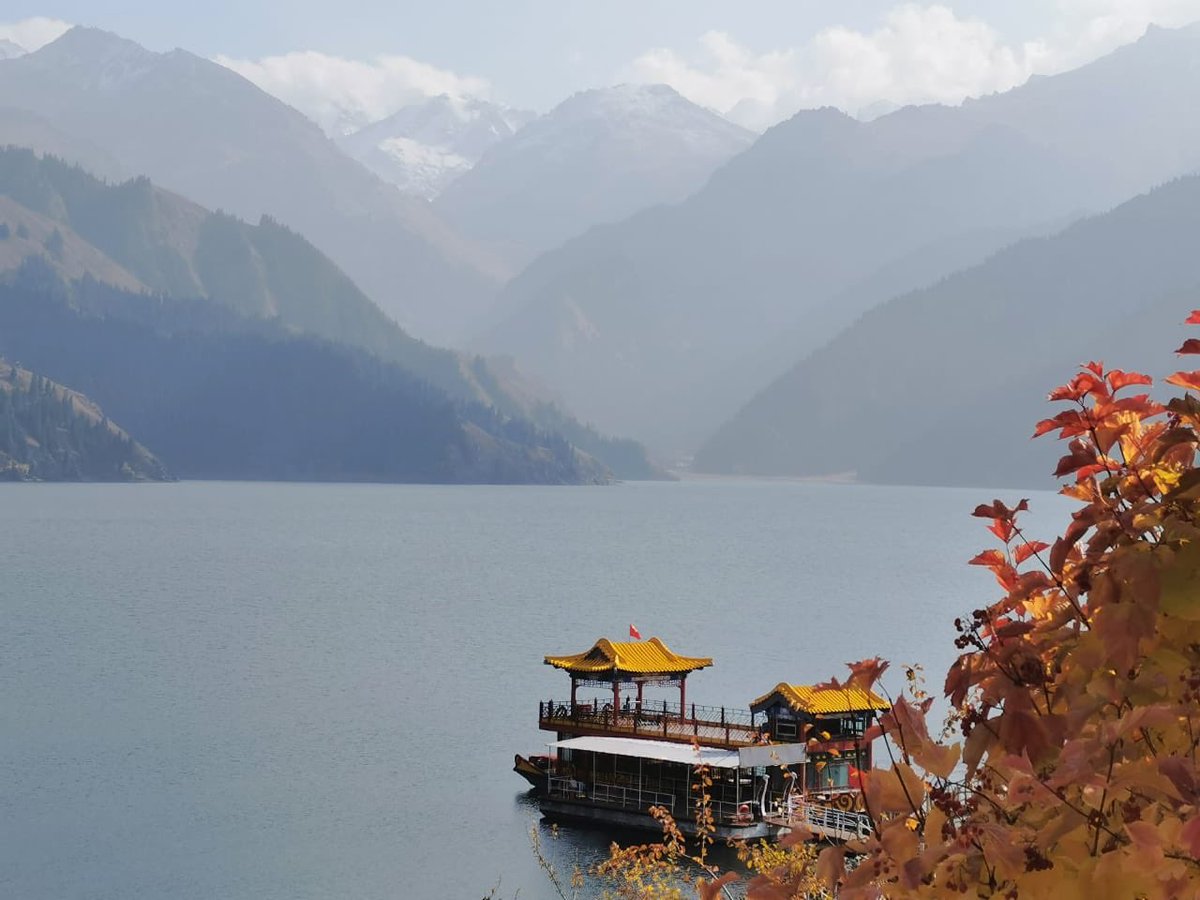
<point>1070,421</point>
<point>1095,367</point>
<point>1118,379</point>
<point>984,511</point>
<point>1027,550</point>
<point>1014,629</point>
<point>866,672</point>
<point>1191,345</point>
<point>1188,380</point>
<point>1079,387</point>
<point>1002,528</point>
<point>1081,454</point>
<point>989,558</point>
<point>1194,318</point>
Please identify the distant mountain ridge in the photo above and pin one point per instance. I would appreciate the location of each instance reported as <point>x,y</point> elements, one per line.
<point>633,322</point>
<point>423,147</point>
<point>943,385</point>
<point>597,157</point>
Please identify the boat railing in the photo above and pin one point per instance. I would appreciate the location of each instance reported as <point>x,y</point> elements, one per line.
<point>835,822</point>
<point>660,719</point>
<point>609,794</point>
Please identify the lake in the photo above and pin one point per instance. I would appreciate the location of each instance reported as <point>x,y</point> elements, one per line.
<point>291,691</point>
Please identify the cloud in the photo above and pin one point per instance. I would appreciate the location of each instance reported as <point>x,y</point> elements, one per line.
<point>33,34</point>
<point>916,54</point>
<point>342,95</point>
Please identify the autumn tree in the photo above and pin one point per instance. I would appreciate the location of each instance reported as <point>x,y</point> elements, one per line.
<point>1068,768</point>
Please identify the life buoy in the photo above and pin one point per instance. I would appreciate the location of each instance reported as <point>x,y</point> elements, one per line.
<point>844,802</point>
<point>743,814</point>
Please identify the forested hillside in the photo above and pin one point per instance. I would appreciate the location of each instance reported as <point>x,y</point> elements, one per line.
<point>258,402</point>
<point>51,433</point>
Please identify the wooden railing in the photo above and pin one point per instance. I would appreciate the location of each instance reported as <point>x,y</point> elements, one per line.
<point>707,725</point>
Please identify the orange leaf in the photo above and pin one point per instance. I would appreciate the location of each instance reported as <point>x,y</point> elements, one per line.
<point>989,558</point>
<point>1189,836</point>
<point>831,866</point>
<point>1193,319</point>
<point>1188,380</point>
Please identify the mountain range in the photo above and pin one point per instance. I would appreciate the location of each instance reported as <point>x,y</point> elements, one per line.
<point>215,273</point>
<point>635,322</point>
<point>943,385</point>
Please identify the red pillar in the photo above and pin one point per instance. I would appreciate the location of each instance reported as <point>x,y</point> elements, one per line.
<point>616,700</point>
<point>639,697</point>
<point>682,698</point>
<point>574,685</point>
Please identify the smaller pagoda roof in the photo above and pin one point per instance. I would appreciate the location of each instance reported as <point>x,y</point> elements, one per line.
<point>822,700</point>
<point>606,657</point>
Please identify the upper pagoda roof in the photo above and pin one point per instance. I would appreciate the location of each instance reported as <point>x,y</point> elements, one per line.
<point>651,657</point>
<point>822,700</point>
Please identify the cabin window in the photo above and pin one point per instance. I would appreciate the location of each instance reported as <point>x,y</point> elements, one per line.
<point>785,729</point>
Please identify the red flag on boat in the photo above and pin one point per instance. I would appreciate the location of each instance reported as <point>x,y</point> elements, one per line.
<point>634,633</point>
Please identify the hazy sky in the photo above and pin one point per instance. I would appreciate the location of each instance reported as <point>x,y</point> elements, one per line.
<point>761,58</point>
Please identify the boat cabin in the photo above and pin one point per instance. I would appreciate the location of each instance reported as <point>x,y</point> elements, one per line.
<point>831,721</point>
<point>617,752</point>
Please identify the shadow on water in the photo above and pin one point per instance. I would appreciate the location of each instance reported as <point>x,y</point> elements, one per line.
<point>568,845</point>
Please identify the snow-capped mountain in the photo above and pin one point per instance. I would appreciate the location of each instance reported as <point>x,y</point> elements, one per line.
<point>423,147</point>
<point>599,156</point>
<point>9,50</point>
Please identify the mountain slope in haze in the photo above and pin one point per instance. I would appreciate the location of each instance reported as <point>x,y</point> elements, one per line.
<point>51,433</point>
<point>148,238</point>
<point>912,391</point>
<point>598,156</point>
<point>630,318</point>
<point>201,130</point>
<point>259,403</point>
<point>139,237</point>
<point>423,147</point>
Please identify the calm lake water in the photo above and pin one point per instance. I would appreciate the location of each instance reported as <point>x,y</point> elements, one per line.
<point>291,691</point>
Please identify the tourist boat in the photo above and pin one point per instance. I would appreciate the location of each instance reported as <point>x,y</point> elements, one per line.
<point>786,760</point>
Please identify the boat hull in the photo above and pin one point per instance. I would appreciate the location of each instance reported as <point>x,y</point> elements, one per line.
<point>532,769</point>
<point>601,816</point>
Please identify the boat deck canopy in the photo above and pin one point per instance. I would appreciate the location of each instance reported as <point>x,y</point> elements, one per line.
<point>665,751</point>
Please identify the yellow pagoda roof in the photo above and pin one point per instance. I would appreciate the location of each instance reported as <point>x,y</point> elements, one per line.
<point>824,700</point>
<point>651,657</point>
